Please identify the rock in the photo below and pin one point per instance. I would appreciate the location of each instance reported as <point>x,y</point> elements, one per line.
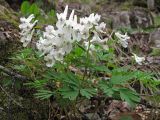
<point>154,38</point>
<point>119,19</point>
<point>151,4</point>
<point>135,18</point>
<point>141,18</point>
<point>9,34</point>
<point>81,9</point>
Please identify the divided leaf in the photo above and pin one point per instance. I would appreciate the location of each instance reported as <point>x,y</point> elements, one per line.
<point>131,97</point>
<point>69,93</point>
<point>44,94</point>
<point>24,7</point>
<point>88,93</point>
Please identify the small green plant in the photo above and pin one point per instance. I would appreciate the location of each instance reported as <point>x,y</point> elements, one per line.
<point>79,62</point>
<point>27,9</point>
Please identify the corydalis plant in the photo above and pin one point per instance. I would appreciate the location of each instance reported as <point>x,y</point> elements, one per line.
<point>27,29</point>
<point>56,42</point>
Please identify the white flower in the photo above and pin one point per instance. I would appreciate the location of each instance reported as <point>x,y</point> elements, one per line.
<point>50,60</point>
<point>101,27</point>
<point>61,18</point>
<point>26,38</point>
<point>27,30</point>
<point>90,21</point>
<point>96,38</point>
<point>94,19</point>
<point>123,39</point>
<point>139,60</point>
<point>58,42</point>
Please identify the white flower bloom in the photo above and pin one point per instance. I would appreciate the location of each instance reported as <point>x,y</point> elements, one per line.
<point>26,39</point>
<point>58,42</point>
<point>139,60</point>
<point>90,21</point>
<point>94,18</point>
<point>96,38</point>
<point>101,27</point>
<point>61,18</point>
<point>50,60</point>
<point>27,30</point>
<point>123,39</point>
<point>85,33</point>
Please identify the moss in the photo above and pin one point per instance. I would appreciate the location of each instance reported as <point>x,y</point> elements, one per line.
<point>8,15</point>
<point>157,21</point>
<point>126,5</point>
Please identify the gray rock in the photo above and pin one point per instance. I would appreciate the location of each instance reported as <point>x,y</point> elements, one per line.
<point>3,39</point>
<point>141,18</point>
<point>151,4</point>
<point>120,19</point>
<point>9,35</point>
<point>154,38</point>
<point>135,18</point>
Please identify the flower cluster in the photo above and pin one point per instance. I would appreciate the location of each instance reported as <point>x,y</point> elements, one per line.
<point>27,30</point>
<point>57,42</point>
<point>138,60</point>
<point>123,39</point>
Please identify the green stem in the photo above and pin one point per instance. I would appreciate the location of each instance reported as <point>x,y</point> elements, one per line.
<point>86,66</point>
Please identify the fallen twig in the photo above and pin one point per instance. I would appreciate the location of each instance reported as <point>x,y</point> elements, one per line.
<point>13,74</point>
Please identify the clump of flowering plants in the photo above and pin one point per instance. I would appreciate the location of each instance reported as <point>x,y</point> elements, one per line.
<point>79,60</point>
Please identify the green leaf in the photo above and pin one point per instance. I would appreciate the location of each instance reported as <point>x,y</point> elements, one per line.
<point>78,51</point>
<point>34,9</point>
<point>106,89</point>
<point>69,93</point>
<point>122,70</point>
<point>38,84</point>
<point>131,97</point>
<point>52,13</point>
<point>101,69</point>
<point>119,79</point>
<point>44,94</point>
<point>19,67</point>
<point>51,17</point>
<point>88,93</point>
<point>25,7</point>
<point>25,53</point>
<point>67,78</point>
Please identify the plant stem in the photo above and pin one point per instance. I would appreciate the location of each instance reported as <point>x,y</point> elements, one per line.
<point>87,61</point>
